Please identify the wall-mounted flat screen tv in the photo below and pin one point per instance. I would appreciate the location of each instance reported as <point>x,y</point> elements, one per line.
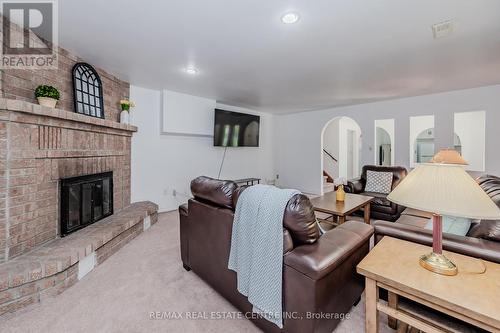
<point>233,129</point>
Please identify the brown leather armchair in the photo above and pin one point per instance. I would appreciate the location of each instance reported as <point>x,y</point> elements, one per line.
<point>319,272</point>
<point>380,208</point>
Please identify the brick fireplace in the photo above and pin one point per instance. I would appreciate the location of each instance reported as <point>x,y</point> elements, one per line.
<point>39,147</point>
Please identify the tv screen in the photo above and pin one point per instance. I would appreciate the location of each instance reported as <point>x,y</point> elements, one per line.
<point>233,129</point>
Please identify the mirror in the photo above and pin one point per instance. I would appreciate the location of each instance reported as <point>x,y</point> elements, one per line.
<point>384,142</point>
<point>421,139</point>
<point>470,138</point>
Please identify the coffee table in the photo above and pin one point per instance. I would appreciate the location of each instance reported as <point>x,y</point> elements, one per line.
<point>470,296</point>
<point>328,204</point>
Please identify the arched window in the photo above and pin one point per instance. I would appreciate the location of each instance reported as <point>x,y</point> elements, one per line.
<point>87,89</point>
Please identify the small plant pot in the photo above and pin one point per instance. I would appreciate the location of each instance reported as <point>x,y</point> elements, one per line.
<point>47,101</point>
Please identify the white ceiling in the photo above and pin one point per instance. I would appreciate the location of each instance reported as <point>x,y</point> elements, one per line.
<point>340,52</point>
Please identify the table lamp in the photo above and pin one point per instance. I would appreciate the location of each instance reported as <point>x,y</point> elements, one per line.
<point>443,187</point>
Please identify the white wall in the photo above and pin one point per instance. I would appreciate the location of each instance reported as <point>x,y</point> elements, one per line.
<point>164,163</point>
<point>176,119</point>
<point>299,167</point>
<point>469,126</point>
<point>291,144</point>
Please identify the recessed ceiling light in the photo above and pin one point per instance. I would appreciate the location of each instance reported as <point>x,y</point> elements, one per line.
<point>191,70</point>
<point>290,18</point>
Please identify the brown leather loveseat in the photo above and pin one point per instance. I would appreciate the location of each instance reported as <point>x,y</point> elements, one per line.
<point>381,208</point>
<point>482,240</point>
<point>320,282</point>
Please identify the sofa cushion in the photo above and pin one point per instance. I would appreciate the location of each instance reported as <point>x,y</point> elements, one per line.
<point>217,192</point>
<point>378,182</point>
<point>486,229</point>
<point>300,220</point>
<point>330,251</point>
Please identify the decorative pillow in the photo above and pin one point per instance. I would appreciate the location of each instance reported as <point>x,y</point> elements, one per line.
<point>453,225</point>
<point>378,182</point>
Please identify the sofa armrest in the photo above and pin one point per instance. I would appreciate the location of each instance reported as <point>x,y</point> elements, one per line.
<point>184,230</point>
<point>474,247</point>
<point>183,209</point>
<point>332,249</point>
<point>354,186</point>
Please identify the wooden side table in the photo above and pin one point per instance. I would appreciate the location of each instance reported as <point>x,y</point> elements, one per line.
<point>470,296</point>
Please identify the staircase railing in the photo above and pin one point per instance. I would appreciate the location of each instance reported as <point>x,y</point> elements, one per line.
<point>329,178</point>
<point>330,155</point>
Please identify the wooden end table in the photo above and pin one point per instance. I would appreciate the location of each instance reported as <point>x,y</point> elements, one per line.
<point>469,296</point>
<point>328,204</point>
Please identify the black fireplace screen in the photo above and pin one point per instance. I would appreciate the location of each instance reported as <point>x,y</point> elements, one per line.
<point>85,200</point>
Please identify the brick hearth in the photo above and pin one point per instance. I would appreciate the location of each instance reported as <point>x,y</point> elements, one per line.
<point>54,267</point>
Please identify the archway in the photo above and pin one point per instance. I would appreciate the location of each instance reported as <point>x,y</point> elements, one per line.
<point>340,151</point>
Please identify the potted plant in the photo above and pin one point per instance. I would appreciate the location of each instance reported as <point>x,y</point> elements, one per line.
<point>47,95</point>
<point>125,105</point>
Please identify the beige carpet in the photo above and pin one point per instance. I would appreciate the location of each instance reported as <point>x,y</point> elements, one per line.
<point>144,276</point>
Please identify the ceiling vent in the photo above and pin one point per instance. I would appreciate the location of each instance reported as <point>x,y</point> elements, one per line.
<point>442,29</point>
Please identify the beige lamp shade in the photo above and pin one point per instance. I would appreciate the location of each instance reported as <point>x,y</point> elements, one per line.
<point>444,189</point>
<point>448,156</point>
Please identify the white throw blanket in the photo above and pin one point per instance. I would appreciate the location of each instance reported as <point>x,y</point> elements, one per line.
<point>257,248</point>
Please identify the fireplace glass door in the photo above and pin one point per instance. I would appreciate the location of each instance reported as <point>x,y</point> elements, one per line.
<point>85,200</point>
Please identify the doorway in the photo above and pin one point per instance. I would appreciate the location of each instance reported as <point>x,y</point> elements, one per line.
<point>340,153</point>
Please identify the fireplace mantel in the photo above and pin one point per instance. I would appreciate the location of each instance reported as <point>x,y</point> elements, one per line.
<point>28,108</point>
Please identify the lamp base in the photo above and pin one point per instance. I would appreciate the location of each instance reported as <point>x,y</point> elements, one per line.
<point>438,263</point>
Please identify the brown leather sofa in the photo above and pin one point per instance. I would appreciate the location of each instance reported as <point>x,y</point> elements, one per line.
<point>319,272</point>
<point>380,208</point>
<point>482,240</point>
